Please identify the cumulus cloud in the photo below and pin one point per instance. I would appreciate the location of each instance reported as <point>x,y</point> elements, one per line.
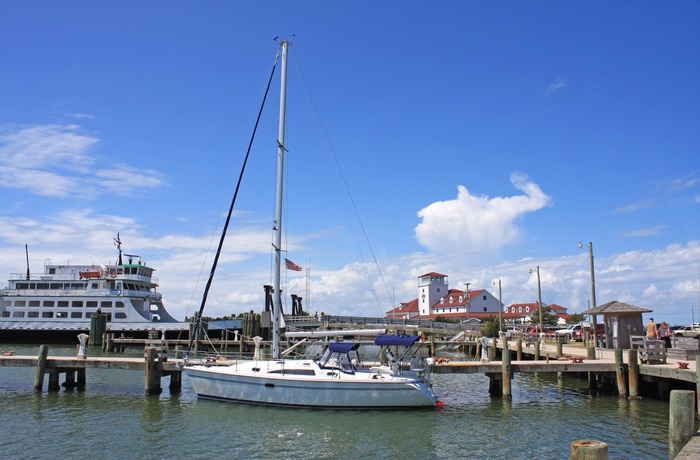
<point>57,160</point>
<point>478,221</point>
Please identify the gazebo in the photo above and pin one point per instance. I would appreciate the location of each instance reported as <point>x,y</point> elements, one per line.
<point>622,320</point>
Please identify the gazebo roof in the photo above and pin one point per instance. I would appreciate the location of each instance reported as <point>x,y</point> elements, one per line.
<point>616,307</point>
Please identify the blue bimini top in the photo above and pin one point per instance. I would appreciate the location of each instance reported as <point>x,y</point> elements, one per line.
<point>396,340</point>
<point>343,347</point>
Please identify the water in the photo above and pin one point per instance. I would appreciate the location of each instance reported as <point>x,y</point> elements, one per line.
<point>113,419</point>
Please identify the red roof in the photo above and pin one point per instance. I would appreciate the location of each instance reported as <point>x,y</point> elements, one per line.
<point>433,274</point>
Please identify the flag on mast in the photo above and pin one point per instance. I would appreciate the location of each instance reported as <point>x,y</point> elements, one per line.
<point>289,265</point>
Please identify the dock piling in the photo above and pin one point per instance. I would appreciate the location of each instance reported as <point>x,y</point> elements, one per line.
<point>505,371</point>
<point>41,369</point>
<point>681,420</point>
<point>633,374</point>
<point>588,450</point>
<point>620,371</point>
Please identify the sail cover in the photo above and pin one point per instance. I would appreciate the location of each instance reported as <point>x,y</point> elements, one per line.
<point>395,340</point>
<point>343,347</point>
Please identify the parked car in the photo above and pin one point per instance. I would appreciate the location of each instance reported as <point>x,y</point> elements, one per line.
<point>577,335</point>
<point>688,331</point>
<point>569,332</point>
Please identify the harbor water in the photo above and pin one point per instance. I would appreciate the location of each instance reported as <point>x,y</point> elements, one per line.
<point>112,418</point>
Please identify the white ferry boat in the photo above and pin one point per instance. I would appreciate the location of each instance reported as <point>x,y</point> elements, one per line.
<point>65,297</point>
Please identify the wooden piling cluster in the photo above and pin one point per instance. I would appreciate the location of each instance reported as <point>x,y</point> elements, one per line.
<point>155,365</point>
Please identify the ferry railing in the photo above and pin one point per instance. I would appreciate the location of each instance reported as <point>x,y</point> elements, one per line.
<point>402,322</point>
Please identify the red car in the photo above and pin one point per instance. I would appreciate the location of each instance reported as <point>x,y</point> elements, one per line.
<point>577,334</point>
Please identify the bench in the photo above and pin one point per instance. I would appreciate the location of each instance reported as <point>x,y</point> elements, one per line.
<point>650,351</point>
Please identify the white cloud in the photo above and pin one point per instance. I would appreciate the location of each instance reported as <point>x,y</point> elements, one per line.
<point>471,221</point>
<point>56,160</point>
<point>555,86</point>
<point>643,232</point>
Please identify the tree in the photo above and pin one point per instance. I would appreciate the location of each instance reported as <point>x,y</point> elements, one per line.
<point>548,318</point>
<point>575,318</point>
<point>490,327</point>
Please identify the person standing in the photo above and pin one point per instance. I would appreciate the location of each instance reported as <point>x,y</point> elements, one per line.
<point>652,330</point>
<point>665,334</point>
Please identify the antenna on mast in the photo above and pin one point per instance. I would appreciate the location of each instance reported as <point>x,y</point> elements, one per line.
<point>26,251</point>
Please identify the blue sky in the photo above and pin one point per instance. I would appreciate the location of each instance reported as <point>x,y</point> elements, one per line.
<point>477,139</point>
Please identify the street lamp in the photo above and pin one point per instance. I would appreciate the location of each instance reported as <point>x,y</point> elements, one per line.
<point>500,306</point>
<point>466,304</point>
<point>539,300</point>
<point>595,322</point>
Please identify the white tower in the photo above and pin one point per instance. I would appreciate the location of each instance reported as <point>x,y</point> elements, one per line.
<point>431,287</point>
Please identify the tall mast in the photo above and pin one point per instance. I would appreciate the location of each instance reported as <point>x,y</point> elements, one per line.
<point>277,237</point>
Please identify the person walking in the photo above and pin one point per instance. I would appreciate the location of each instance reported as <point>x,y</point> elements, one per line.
<point>665,334</point>
<point>652,330</point>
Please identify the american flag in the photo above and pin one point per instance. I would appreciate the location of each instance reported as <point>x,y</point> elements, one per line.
<point>289,265</point>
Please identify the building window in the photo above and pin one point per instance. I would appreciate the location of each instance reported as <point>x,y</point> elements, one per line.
<point>461,299</point>
<point>520,309</point>
<point>527,309</point>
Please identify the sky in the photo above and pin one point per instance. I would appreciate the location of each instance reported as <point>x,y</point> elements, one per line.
<point>480,140</point>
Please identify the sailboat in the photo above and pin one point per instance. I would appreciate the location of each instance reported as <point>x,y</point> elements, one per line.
<point>338,379</point>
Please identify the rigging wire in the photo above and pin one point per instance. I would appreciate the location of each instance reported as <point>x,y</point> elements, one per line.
<point>230,212</point>
<point>321,127</point>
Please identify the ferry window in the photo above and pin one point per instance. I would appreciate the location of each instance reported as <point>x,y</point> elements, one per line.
<point>77,286</point>
<point>76,314</point>
<point>5,314</point>
<point>63,303</point>
<point>34,303</point>
<point>120,271</point>
<point>77,304</point>
<point>56,285</point>
<point>20,303</point>
<point>47,314</point>
<point>88,314</point>
<point>91,304</point>
<point>18,314</point>
<point>42,285</point>
<point>120,315</point>
<point>48,303</point>
<point>52,271</point>
<point>120,304</point>
<point>94,285</point>
<point>61,314</point>
<point>32,314</point>
<point>22,285</point>
<point>106,304</point>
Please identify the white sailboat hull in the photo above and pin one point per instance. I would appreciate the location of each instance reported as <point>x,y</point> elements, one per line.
<point>262,382</point>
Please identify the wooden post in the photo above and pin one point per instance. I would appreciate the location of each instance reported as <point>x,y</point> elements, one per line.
<point>633,374</point>
<point>70,379</point>
<point>588,450</point>
<point>505,372</point>
<point>519,350</point>
<point>697,379</point>
<point>590,353</point>
<point>537,351</point>
<point>175,382</point>
<point>681,420</point>
<point>432,345</point>
<point>41,369</point>
<point>81,377</point>
<point>620,371</point>
<point>492,350</point>
<point>560,349</point>
<point>54,375</point>
<point>152,375</point>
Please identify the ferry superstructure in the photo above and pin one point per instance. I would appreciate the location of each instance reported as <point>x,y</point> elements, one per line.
<point>65,297</point>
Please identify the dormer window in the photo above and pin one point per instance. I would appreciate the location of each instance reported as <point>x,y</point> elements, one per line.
<point>451,299</point>
<point>442,300</point>
<point>461,299</point>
